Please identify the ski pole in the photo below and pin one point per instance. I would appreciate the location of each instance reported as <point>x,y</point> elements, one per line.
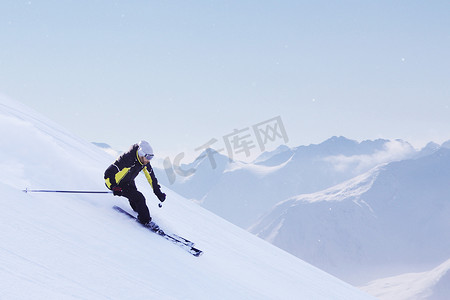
<point>71,192</point>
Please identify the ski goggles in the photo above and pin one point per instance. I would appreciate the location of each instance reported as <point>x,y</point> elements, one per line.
<point>149,156</point>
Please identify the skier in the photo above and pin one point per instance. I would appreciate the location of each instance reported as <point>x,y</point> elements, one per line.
<point>119,178</point>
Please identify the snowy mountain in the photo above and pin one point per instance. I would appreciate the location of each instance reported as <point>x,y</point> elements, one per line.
<point>429,285</point>
<point>243,192</point>
<point>390,220</point>
<point>72,246</point>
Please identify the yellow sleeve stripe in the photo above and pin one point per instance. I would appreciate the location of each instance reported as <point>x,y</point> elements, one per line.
<point>120,175</point>
<point>108,183</point>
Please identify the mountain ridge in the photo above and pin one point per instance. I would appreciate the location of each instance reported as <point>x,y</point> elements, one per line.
<point>392,217</point>
<point>243,192</point>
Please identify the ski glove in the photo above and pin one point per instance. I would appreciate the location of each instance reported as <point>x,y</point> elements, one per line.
<point>117,190</point>
<point>161,196</point>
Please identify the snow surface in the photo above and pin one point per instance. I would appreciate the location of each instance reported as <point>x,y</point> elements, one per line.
<point>430,285</point>
<point>72,246</point>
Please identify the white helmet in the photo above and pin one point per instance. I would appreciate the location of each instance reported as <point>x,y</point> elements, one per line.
<point>145,150</point>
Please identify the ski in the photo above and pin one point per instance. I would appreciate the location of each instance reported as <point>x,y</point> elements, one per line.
<point>183,240</point>
<point>176,239</point>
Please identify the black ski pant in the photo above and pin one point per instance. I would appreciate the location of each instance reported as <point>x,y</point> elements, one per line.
<point>137,202</point>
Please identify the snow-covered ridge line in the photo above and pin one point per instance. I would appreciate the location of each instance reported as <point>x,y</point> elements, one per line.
<point>433,284</point>
<point>349,190</point>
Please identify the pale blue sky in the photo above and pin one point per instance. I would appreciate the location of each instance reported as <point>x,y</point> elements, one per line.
<point>180,73</point>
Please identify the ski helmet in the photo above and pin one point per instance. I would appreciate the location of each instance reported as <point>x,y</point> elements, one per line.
<point>145,150</point>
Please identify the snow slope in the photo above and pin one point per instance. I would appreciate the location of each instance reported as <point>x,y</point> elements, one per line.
<point>430,285</point>
<point>63,246</point>
<point>391,220</point>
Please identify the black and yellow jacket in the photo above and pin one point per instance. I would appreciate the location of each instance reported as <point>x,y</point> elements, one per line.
<point>125,169</point>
